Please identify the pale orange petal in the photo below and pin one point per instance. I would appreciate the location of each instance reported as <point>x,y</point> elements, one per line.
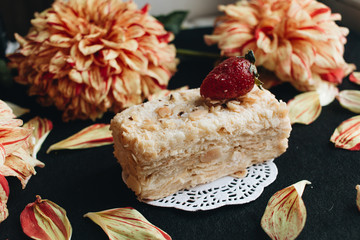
<point>350,99</point>
<point>347,134</point>
<point>285,214</point>
<point>13,138</point>
<point>304,108</point>
<point>2,155</point>
<point>76,51</point>
<point>327,93</point>
<point>41,128</point>
<point>93,136</point>
<point>294,39</point>
<point>124,223</point>
<point>87,48</point>
<point>21,165</point>
<point>17,110</point>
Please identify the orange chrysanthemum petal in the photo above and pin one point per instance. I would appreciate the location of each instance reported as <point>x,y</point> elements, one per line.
<point>15,155</point>
<point>88,57</point>
<point>298,40</point>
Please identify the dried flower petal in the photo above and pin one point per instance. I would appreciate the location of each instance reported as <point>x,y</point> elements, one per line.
<point>41,128</point>
<point>304,108</point>
<point>347,134</point>
<point>165,92</point>
<point>21,165</point>
<point>4,195</point>
<point>350,99</point>
<point>17,110</point>
<point>327,93</point>
<point>355,77</point>
<point>93,136</point>
<point>126,223</point>
<point>298,40</point>
<point>15,158</point>
<point>285,213</point>
<point>86,62</point>
<point>45,220</point>
<point>12,138</point>
<point>358,197</point>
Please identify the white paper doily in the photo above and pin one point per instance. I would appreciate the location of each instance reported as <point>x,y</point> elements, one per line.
<point>224,191</point>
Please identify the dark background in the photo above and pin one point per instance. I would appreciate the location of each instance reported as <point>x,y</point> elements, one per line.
<point>90,179</point>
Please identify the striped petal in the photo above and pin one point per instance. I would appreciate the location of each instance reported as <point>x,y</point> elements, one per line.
<point>21,165</point>
<point>41,128</point>
<point>347,134</point>
<point>355,77</point>
<point>45,220</point>
<point>93,136</point>
<point>13,138</point>
<point>2,155</point>
<point>4,195</point>
<point>305,108</point>
<point>350,99</point>
<point>5,111</point>
<point>126,223</point>
<point>285,213</point>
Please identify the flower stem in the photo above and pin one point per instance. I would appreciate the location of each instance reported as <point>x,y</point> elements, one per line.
<point>188,52</point>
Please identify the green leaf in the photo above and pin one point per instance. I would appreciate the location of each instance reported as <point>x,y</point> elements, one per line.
<point>172,22</point>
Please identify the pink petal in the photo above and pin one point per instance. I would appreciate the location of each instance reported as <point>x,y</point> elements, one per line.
<point>350,99</point>
<point>355,77</point>
<point>333,76</point>
<point>304,108</point>
<point>347,134</point>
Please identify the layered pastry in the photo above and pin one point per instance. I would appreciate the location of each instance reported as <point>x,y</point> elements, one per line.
<point>183,140</point>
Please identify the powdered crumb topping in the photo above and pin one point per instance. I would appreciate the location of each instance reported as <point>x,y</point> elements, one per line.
<point>200,117</point>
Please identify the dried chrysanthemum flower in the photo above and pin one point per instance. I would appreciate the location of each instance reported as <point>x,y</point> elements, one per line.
<point>15,155</point>
<point>88,57</point>
<point>297,39</point>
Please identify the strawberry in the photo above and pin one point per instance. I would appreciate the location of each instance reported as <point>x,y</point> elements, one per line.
<point>232,78</point>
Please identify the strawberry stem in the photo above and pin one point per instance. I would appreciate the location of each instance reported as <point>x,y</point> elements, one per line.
<point>188,52</point>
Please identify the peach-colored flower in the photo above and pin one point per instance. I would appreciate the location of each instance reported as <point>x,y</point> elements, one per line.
<point>15,157</point>
<point>297,39</point>
<point>90,56</point>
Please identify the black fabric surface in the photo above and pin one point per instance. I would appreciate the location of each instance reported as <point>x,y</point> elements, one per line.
<point>90,179</point>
